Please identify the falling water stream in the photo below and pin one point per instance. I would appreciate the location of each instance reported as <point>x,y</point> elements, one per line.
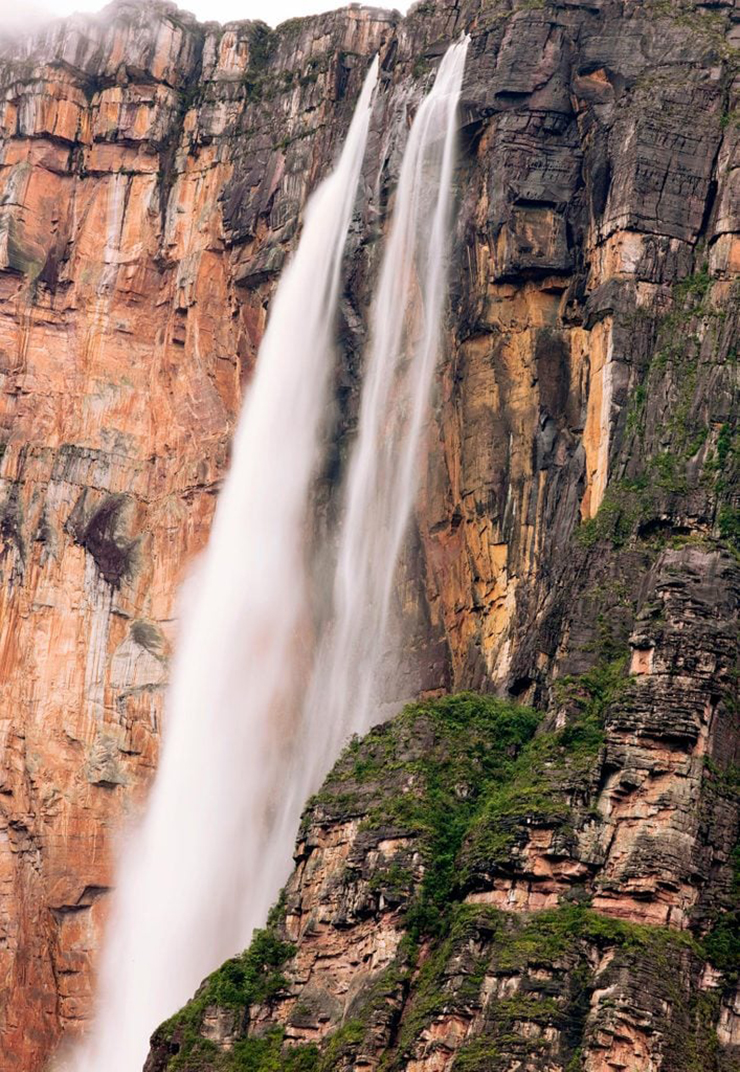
<point>183,880</point>
<point>406,320</point>
<point>245,742</point>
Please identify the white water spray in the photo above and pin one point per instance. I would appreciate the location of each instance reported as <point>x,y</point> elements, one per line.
<point>192,885</point>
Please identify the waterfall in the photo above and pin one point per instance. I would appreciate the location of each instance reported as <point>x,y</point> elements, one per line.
<point>191,866</point>
<point>243,748</point>
<point>383,474</point>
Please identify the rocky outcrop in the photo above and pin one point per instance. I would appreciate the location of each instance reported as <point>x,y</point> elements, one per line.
<point>450,909</point>
<point>578,518</point>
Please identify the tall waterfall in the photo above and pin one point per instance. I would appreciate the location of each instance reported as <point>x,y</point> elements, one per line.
<point>190,868</point>
<point>243,749</point>
<point>383,473</point>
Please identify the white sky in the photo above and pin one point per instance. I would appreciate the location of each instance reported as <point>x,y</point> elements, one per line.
<point>24,14</point>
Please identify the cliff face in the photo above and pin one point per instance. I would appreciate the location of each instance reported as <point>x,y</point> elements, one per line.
<point>450,910</point>
<point>575,546</point>
<point>144,214</point>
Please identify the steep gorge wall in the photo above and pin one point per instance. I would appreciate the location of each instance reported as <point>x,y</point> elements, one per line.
<point>579,506</point>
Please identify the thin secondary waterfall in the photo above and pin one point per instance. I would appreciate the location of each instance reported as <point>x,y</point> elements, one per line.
<point>197,859</point>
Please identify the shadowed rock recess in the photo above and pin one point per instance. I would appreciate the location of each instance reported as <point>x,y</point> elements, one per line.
<point>548,881</point>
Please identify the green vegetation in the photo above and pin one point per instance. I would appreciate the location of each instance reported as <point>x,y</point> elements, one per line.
<point>710,26</point>
<point>261,44</point>
<point>466,776</point>
<point>728,523</point>
<point>722,943</point>
<point>678,340</point>
<point>477,740</point>
<point>688,449</point>
<point>726,446</point>
<point>722,471</point>
<point>393,882</point>
<point>694,1046</point>
<point>251,978</point>
<point>541,782</point>
<point>695,288</point>
<point>613,612</point>
<point>680,344</point>
<point>541,948</point>
<point>460,773</point>
<point>267,1054</point>
<point>625,504</point>
<point>421,67</point>
<point>477,1055</point>
<point>544,937</point>
<point>591,695</point>
<point>636,410</point>
<point>428,774</point>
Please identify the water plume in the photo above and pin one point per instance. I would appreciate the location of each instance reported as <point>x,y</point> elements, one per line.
<point>243,749</point>
<point>196,861</point>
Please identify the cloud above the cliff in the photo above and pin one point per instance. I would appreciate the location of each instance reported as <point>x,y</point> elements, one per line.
<point>20,17</point>
<point>16,19</point>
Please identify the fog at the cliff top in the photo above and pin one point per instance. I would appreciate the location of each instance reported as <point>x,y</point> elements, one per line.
<point>19,17</point>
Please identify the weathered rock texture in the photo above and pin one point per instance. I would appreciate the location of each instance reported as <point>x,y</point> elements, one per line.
<point>579,506</point>
<point>139,177</point>
<point>452,908</point>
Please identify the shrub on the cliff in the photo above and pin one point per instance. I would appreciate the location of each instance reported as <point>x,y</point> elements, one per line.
<point>722,943</point>
<point>467,775</point>
<point>475,741</point>
<point>267,1054</point>
<point>251,978</point>
<point>550,955</point>
<point>552,769</point>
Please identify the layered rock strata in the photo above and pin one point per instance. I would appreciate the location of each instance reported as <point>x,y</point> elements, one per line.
<point>579,508</point>
<point>452,908</point>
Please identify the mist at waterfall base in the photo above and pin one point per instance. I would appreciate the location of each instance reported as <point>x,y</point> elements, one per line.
<point>257,711</point>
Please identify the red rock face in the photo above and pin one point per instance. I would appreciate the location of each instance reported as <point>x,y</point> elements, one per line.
<point>578,501</point>
<point>124,343</point>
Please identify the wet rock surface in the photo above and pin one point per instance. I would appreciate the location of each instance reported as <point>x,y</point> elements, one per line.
<point>575,546</point>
